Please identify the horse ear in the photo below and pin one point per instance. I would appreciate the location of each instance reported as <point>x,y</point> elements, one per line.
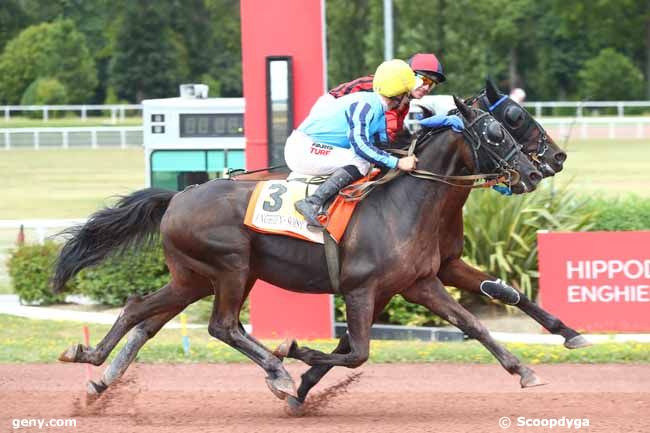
<point>464,109</point>
<point>492,91</point>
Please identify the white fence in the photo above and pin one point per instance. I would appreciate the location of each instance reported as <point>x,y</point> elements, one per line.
<point>591,106</point>
<point>64,137</point>
<point>540,108</point>
<point>117,111</point>
<point>562,128</point>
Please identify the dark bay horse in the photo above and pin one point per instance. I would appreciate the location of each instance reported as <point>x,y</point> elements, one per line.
<point>391,247</point>
<point>453,270</point>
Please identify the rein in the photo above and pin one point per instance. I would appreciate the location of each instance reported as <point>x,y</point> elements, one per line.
<point>360,191</point>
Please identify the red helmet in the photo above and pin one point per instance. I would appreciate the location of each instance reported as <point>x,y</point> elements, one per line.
<point>427,65</point>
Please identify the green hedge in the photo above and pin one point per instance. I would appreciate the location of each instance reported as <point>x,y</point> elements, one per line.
<point>30,269</point>
<point>113,281</point>
<point>628,213</point>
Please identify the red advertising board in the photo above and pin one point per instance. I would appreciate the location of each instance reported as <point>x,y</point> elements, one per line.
<point>596,281</point>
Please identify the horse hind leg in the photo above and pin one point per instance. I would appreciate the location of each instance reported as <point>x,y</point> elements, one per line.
<point>136,310</point>
<point>432,295</point>
<point>142,333</point>
<point>459,274</point>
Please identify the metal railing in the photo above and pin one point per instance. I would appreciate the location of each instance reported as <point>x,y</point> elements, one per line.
<point>117,110</point>
<point>66,137</point>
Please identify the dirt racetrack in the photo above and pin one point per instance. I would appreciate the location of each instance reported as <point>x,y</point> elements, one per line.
<point>403,398</point>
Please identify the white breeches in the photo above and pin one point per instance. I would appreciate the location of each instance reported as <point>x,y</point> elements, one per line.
<point>315,159</point>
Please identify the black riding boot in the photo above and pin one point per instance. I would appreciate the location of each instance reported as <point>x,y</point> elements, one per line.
<point>310,206</point>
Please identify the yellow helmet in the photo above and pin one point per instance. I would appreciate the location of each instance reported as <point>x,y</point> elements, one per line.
<point>394,77</point>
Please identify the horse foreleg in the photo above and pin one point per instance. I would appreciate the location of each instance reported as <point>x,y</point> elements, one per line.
<point>359,306</point>
<point>314,375</point>
<point>431,294</point>
<point>230,291</point>
<point>457,273</point>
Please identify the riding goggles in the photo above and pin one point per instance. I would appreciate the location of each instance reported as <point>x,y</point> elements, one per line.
<point>427,81</point>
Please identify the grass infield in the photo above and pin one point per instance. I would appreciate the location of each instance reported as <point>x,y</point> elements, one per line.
<point>32,341</point>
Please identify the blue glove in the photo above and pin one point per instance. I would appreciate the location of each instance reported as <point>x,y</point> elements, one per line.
<point>441,120</point>
<point>501,189</point>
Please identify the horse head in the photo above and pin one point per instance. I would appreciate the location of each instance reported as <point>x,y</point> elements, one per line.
<point>537,144</point>
<point>495,150</point>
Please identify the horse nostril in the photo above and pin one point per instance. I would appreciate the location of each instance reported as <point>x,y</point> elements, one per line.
<point>560,157</point>
<point>535,177</point>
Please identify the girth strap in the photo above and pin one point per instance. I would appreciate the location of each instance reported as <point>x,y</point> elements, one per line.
<point>333,261</point>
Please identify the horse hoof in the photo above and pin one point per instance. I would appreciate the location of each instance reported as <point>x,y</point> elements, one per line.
<point>71,354</point>
<point>282,387</point>
<point>577,342</point>
<point>531,380</point>
<point>295,407</point>
<point>282,351</point>
<point>94,388</point>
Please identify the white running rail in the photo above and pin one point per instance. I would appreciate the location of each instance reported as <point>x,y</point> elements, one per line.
<point>65,137</point>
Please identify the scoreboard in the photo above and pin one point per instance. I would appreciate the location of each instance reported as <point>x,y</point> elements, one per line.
<point>192,138</point>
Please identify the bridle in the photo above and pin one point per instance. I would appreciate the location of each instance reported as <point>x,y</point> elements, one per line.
<point>486,129</point>
<point>499,110</point>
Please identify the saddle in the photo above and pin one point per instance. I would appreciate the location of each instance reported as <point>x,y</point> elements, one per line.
<point>270,209</point>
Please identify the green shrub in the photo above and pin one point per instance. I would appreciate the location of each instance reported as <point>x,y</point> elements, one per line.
<point>630,213</point>
<point>200,311</point>
<point>134,273</point>
<point>501,232</point>
<point>44,91</point>
<point>399,312</point>
<point>30,269</point>
<point>610,76</point>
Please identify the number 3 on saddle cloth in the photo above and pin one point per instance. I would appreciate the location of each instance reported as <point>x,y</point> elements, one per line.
<point>270,210</point>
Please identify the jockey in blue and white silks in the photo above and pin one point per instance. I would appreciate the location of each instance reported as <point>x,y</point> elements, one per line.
<point>341,133</point>
<point>337,139</point>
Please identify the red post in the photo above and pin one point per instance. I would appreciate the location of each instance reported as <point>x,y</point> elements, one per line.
<point>87,343</point>
<point>20,240</point>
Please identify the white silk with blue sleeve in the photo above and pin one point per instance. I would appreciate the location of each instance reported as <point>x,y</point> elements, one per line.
<point>353,121</point>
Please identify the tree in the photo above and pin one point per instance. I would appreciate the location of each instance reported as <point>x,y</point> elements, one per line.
<point>617,24</point>
<point>191,21</point>
<point>12,20</point>
<point>147,61</point>
<point>224,47</point>
<point>347,24</point>
<point>610,76</point>
<point>54,50</point>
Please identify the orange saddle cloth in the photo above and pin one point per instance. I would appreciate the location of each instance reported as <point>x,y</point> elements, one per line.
<point>270,210</point>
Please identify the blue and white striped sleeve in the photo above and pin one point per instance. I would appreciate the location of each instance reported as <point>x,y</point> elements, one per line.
<point>358,116</point>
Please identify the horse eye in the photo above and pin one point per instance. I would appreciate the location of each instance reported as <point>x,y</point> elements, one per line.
<point>514,117</point>
<point>494,132</point>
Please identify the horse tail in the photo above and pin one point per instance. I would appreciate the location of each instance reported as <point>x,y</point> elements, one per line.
<point>133,222</point>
